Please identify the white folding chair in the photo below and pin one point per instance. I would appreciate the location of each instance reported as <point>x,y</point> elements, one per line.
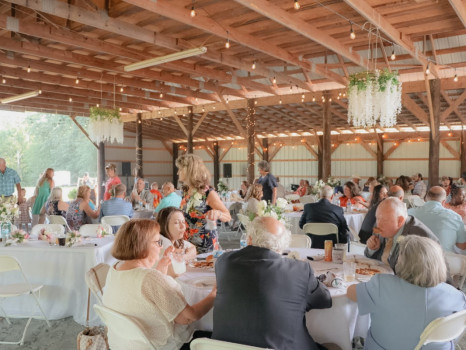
<point>115,220</point>
<point>9,263</point>
<point>300,241</point>
<point>59,220</point>
<point>321,229</point>
<point>212,344</point>
<point>95,280</point>
<point>90,230</point>
<point>443,329</point>
<point>457,266</point>
<point>122,325</point>
<point>53,228</point>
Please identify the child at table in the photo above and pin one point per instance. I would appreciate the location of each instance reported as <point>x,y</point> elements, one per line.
<point>24,216</point>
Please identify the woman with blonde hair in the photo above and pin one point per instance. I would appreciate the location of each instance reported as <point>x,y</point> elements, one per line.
<point>402,306</point>
<point>79,210</point>
<point>253,197</point>
<point>55,205</point>
<point>42,193</point>
<point>202,204</point>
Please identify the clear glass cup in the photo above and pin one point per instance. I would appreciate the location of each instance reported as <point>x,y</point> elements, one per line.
<point>178,263</point>
<point>349,271</point>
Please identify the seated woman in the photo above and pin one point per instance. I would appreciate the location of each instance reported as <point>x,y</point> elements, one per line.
<point>79,211</point>
<point>253,197</point>
<point>379,193</point>
<point>351,193</point>
<point>402,306</point>
<point>148,295</point>
<point>446,183</point>
<point>370,188</point>
<point>172,229</point>
<point>244,189</point>
<point>304,188</point>
<point>458,201</point>
<point>55,205</point>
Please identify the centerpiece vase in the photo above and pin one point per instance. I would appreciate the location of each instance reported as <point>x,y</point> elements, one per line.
<point>5,230</point>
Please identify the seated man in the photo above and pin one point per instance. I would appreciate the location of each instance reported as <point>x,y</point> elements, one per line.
<point>392,223</point>
<point>170,198</point>
<point>117,205</point>
<point>262,298</point>
<point>325,212</point>
<point>140,194</point>
<point>420,187</point>
<point>444,223</point>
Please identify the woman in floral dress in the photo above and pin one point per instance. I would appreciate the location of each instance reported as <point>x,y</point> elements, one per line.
<point>201,204</point>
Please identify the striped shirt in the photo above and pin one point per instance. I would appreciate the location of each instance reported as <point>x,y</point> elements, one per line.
<point>8,180</point>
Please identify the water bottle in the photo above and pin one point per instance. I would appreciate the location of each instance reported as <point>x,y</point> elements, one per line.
<point>5,231</point>
<point>348,206</point>
<point>243,242</point>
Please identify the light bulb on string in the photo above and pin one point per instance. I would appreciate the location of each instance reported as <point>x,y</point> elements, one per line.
<point>274,80</point>
<point>393,56</point>
<point>227,44</point>
<point>29,69</point>
<point>253,65</point>
<point>428,69</point>
<point>122,89</point>
<point>77,81</point>
<point>352,33</point>
<point>455,79</point>
<point>161,94</point>
<point>280,101</point>
<point>296,5</point>
<point>4,81</point>
<point>71,99</point>
<point>193,12</point>
<point>97,105</point>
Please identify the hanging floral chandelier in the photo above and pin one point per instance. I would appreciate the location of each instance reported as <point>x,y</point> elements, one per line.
<point>374,97</point>
<point>105,125</point>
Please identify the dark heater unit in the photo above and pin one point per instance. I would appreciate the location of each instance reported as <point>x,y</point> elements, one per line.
<point>125,168</point>
<point>227,170</point>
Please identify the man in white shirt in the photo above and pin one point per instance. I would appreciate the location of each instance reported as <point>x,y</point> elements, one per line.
<point>420,187</point>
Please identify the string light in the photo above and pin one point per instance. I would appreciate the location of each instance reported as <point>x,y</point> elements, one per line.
<point>352,34</point>
<point>227,101</point>
<point>97,105</point>
<point>122,89</point>
<point>274,80</point>
<point>40,92</point>
<point>29,69</point>
<point>280,102</point>
<point>193,12</point>
<point>428,69</point>
<point>313,99</point>
<point>4,81</point>
<point>161,94</point>
<point>122,109</point>
<point>393,56</point>
<point>455,79</point>
<point>253,65</point>
<point>71,100</point>
<point>296,5</point>
<point>77,81</point>
<point>227,44</point>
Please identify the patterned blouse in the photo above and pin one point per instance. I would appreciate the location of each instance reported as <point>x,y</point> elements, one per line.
<point>52,209</point>
<point>74,216</point>
<point>195,208</point>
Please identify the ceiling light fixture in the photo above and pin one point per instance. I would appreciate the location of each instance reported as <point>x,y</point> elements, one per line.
<point>19,97</point>
<point>352,34</point>
<point>168,58</point>
<point>193,12</point>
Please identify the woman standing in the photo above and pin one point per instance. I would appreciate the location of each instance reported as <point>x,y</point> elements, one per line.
<point>112,180</point>
<point>42,193</point>
<point>79,210</point>
<point>268,182</point>
<point>202,203</point>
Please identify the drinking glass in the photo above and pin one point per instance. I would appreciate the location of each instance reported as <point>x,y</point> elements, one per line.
<point>178,263</point>
<point>349,271</point>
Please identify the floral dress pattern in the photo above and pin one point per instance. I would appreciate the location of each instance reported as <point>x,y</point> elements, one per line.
<point>194,209</point>
<point>74,216</point>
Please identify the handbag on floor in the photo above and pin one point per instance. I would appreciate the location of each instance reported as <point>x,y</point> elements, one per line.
<point>92,338</point>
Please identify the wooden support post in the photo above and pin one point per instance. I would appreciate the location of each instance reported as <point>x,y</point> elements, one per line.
<point>326,139</point>
<point>379,155</point>
<point>251,122</point>
<point>101,171</point>
<point>216,164</point>
<point>434,134</point>
<point>320,164</point>
<point>463,152</point>
<point>190,129</point>
<point>139,166</point>
<point>265,149</point>
<point>175,169</point>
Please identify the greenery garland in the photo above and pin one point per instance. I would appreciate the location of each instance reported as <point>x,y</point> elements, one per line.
<point>379,78</point>
<point>97,113</point>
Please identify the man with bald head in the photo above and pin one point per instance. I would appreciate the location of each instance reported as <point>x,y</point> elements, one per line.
<point>397,192</point>
<point>444,223</point>
<point>393,222</point>
<point>262,298</point>
<point>170,198</point>
<point>8,180</point>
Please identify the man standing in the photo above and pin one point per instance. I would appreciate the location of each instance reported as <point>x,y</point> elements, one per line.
<point>140,194</point>
<point>326,212</point>
<point>393,222</point>
<point>268,182</point>
<point>420,187</point>
<point>170,198</point>
<point>262,298</point>
<point>447,225</point>
<point>8,179</point>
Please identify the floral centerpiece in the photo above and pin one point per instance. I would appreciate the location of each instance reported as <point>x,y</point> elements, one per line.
<point>101,232</point>
<point>222,188</point>
<point>317,187</point>
<point>105,125</point>
<point>333,182</point>
<point>8,208</point>
<point>17,237</point>
<point>44,235</point>
<point>277,211</point>
<point>72,237</point>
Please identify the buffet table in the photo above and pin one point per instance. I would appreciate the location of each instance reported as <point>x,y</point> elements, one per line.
<point>338,325</point>
<point>61,270</point>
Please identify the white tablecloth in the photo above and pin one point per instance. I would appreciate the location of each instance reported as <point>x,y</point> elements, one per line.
<point>61,270</point>
<point>354,221</point>
<point>338,325</point>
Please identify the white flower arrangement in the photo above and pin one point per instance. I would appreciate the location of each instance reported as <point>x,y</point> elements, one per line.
<point>222,186</point>
<point>72,237</point>
<point>44,235</point>
<point>275,211</point>
<point>333,182</point>
<point>8,208</point>
<point>17,237</point>
<point>317,187</point>
<point>101,232</point>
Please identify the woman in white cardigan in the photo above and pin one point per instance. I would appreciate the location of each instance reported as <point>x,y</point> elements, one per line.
<point>148,295</point>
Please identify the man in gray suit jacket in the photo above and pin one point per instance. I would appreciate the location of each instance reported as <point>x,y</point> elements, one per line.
<point>262,298</point>
<point>393,223</point>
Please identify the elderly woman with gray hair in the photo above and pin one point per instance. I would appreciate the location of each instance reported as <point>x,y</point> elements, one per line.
<point>402,306</point>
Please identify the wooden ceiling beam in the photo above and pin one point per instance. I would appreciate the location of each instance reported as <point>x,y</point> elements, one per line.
<point>166,9</point>
<point>414,108</point>
<point>398,37</point>
<point>304,28</point>
<point>452,106</point>
<point>460,8</point>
